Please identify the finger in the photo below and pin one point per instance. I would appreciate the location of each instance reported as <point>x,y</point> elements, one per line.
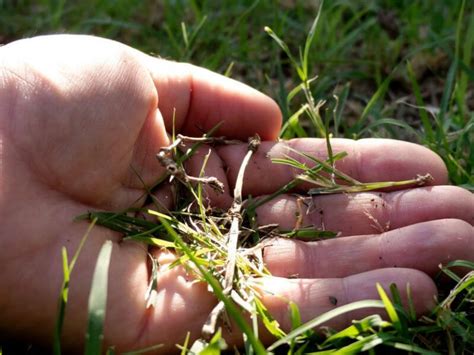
<point>368,160</point>
<point>371,212</point>
<point>423,246</point>
<point>197,100</point>
<point>317,296</point>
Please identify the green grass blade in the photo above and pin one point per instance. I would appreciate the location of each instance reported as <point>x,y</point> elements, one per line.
<point>323,318</point>
<point>231,308</point>
<point>62,303</point>
<point>459,26</point>
<point>284,47</point>
<point>462,86</point>
<point>298,89</point>
<point>292,126</point>
<point>64,293</point>
<point>461,263</point>
<point>308,234</point>
<point>410,348</point>
<point>447,92</point>
<point>397,300</point>
<point>144,350</point>
<point>389,122</point>
<point>425,120</point>
<point>379,94</point>
<point>363,344</point>
<point>156,242</point>
<point>269,322</point>
<point>309,41</point>
<point>389,307</point>
<point>184,34</point>
<point>411,305</point>
<point>358,328</point>
<point>295,315</point>
<point>341,100</point>
<point>98,301</point>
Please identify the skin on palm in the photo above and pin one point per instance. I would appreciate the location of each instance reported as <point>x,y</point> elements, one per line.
<point>78,112</point>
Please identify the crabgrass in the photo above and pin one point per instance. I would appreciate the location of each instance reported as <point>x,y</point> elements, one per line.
<point>395,69</point>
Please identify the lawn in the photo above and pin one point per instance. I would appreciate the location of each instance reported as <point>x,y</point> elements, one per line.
<point>394,69</point>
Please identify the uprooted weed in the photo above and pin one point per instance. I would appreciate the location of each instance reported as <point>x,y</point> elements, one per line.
<point>223,248</point>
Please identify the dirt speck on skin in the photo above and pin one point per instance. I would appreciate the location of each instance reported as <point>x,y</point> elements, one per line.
<point>333,300</point>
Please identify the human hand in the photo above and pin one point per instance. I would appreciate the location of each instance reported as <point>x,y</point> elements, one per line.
<point>78,113</point>
<point>81,120</point>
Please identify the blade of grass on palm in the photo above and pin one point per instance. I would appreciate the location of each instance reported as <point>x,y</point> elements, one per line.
<point>308,234</point>
<point>217,289</point>
<point>289,186</point>
<point>269,322</point>
<point>64,293</point>
<point>261,201</point>
<point>327,166</point>
<point>98,301</point>
<point>62,304</point>
<point>119,221</point>
<point>144,350</point>
<point>323,318</point>
<point>312,173</point>
<point>156,242</point>
<point>360,327</point>
<point>362,187</point>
